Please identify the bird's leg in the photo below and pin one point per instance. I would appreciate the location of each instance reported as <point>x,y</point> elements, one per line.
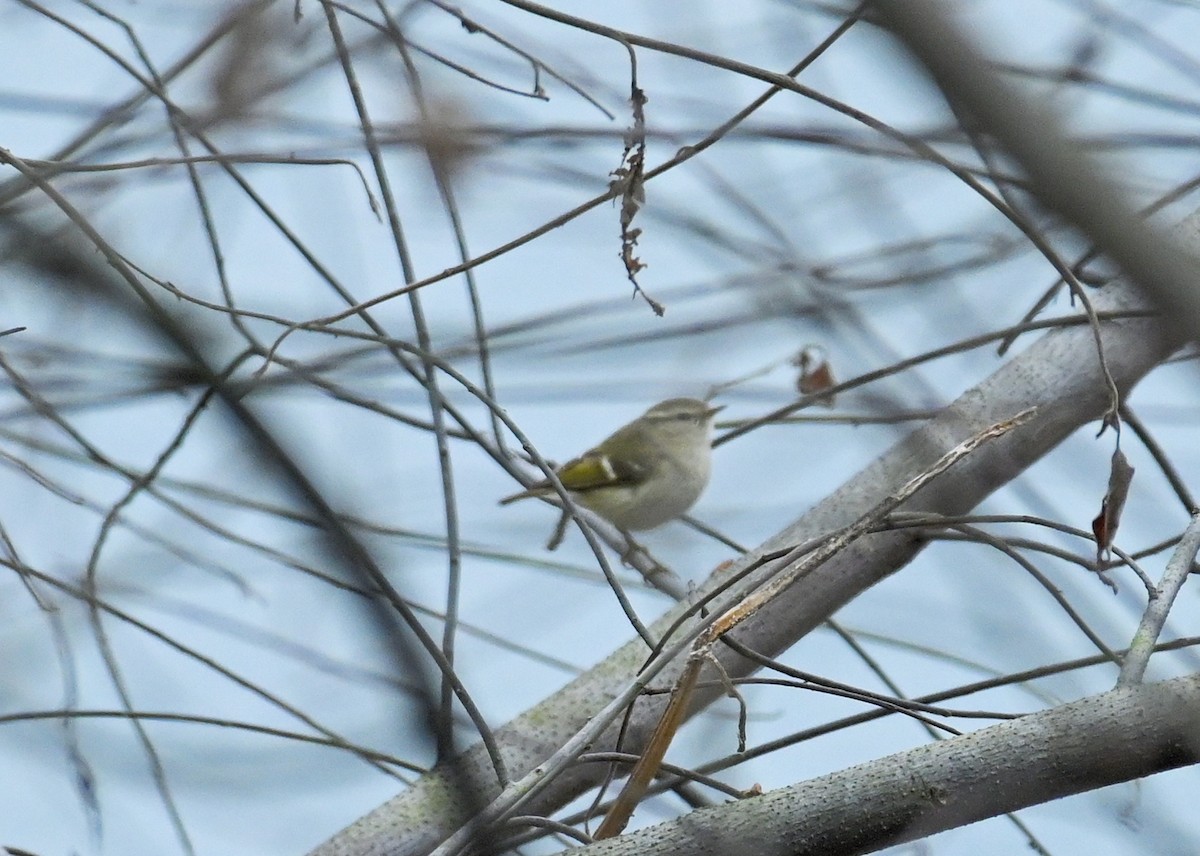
<point>631,549</point>
<point>560,531</point>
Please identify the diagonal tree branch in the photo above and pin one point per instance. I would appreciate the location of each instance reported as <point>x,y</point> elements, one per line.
<point>1059,375</point>
<point>949,783</point>
<point>1063,175</point>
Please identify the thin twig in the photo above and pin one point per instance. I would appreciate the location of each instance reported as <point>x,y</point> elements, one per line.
<point>784,578</point>
<point>1159,607</point>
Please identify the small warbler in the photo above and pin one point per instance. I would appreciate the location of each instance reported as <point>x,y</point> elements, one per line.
<point>645,473</point>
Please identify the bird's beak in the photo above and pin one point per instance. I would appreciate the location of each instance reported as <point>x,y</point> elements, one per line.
<point>713,411</point>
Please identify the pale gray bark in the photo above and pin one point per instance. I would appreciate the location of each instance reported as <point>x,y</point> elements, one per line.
<point>1054,753</point>
<point>1059,375</point>
<point>1133,669</point>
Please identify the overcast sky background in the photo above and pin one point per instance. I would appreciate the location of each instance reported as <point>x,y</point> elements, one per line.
<point>802,227</point>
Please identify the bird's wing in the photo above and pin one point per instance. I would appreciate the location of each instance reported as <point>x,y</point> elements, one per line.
<point>594,469</point>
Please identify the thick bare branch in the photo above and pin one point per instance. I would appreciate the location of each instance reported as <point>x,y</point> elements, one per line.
<point>1064,176</point>
<point>946,784</point>
<point>1059,375</point>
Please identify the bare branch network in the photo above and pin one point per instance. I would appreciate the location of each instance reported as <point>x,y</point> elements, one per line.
<point>296,293</point>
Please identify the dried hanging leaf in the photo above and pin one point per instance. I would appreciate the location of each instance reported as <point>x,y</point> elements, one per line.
<point>629,180</point>
<point>1104,527</point>
<point>815,373</point>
